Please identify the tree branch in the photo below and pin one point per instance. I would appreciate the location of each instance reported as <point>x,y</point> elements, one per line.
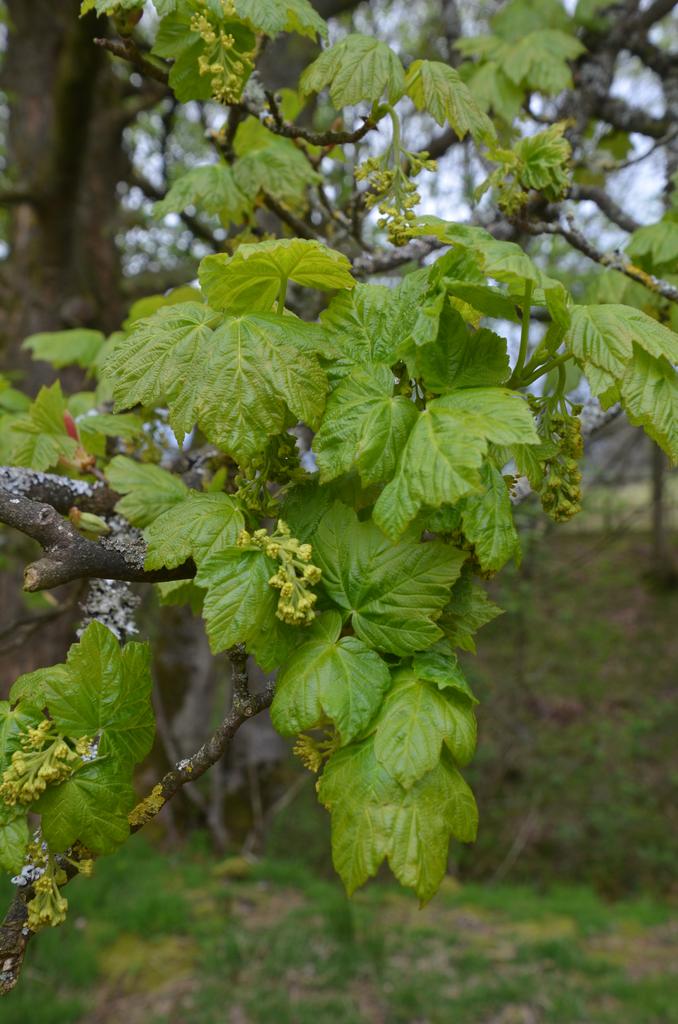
<point>70,556</point>
<point>127,50</point>
<point>14,933</point>
<point>605,204</point>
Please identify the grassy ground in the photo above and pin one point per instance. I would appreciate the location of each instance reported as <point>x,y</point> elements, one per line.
<point>152,940</point>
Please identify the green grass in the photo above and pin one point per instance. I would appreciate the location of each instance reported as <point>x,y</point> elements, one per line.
<point>156,938</point>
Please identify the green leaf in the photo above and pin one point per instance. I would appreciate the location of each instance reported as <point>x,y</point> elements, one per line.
<point>92,806</point>
<point>373,817</point>
<point>252,279</point>
<point>494,91</point>
<point>604,335</point>
<point>364,425</point>
<point>149,490</point>
<point>197,527</point>
<point>438,89</point>
<point>357,68</point>
<point>106,693</point>
<point>468,610</point>
<point>212,188</point>
<point>14,837</point>
<point>440,666</point>
<point>460,358</point>
<point>237,381</point>
<point>163,359</point>
<point>360,326</point>
<point>14,721</point>
<point>392,592</point>
<point>649,394</point>
<point>486,300</point>
<point>239,600</point>
<point>274,16</point>
<point>441,460</point>
<point>39,437</point>
<point>329,678</point>
<point>488,521</point>
<point>273,165</point>
<point>415,720</point>
<point>78,347</point>
<point>656,245</point>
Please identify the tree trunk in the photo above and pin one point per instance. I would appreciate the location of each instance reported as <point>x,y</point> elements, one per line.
<point>65,154</point>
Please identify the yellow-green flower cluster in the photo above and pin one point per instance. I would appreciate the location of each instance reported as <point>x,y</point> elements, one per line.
<point>312,752</point>
<point>44,757</point>
<point>295,576</point>
<point>48,907</point>
<point>222,61</point>
<point>394,192</point>
<point>561,494</point>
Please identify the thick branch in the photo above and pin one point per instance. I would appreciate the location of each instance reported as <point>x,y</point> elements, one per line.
<point>127,50</point>
<point>606,204</point>
<point>70,556</point>
<point>58,491</point>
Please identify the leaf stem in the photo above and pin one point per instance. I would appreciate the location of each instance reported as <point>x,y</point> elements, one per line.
<point>282,295</point>
<point>524,336</point>
<point>545,368</point>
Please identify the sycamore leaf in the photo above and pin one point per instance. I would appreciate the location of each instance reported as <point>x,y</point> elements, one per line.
<point>329,678</point>
<point>604,335</point>
<point>239,600</point>
<point>649,394</point>
<point>488,524</point>
<point>373,817</point>
<point>211,187</point>
<point>274,16</point>
<point>197,527</point>
<point>360,326</point>
<point>494,91</point>
<point>105,693</point>
<point>392,592</point>
<point>14,721</point>
<point>439,665</point>
<point>438,89</point>
<point>357,68</point>
<point>415,720</point>
<point>469,609</point>
<point>271,164</point>
<point>441,460</point>
<point>656,245</point>
<point>78,347</point>
<point>14,836</point>
<point>460,358</point>
<point>364,425</point>
<point>237,377</point>
<point>252,279</point>
<point>39,436</point>
<point>92,807</point>
<point>149,490</point>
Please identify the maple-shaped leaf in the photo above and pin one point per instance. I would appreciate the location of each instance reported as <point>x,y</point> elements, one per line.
<point>239,599</point>
<point>79,347</point>
<point>274,16</point>
<point>444,451</point>
<point>364,425</point>
<point>39,438</point>
<point>149,490</point>
<point>391,591</point>
<point>329,678</point>
<point>487,519</point>
<point>197,527</point>
<point>439,89</point>
<point>210,187</point>
<point>357,68</point>
<point>254,277</point>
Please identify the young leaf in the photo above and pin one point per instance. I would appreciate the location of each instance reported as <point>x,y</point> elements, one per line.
<point>92,807</point>
<point>78,347</point>
<point>604,335</point>
<point>329,678</point>
<point>441,460</point>
<point>14,836</point>
<point>461,358</point>
<point>149,490</point>
<point>438,89</point>
<point>39,436</point>
<point>252,279</point>
<point>356,68</point>
<point>239,600</point>
<point>488,521</point>
<point>197,527</point>
<point>360,327</point>
<point>274,16</point>
<point>364,425</point>
<point>440,666</point>
<point>105,693</point>
<point>211,187</point>
<point>373,817</point>
<point>391,591</point>
<point>649,394</point>
<point>415,720</point>
<point>469,609</point>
